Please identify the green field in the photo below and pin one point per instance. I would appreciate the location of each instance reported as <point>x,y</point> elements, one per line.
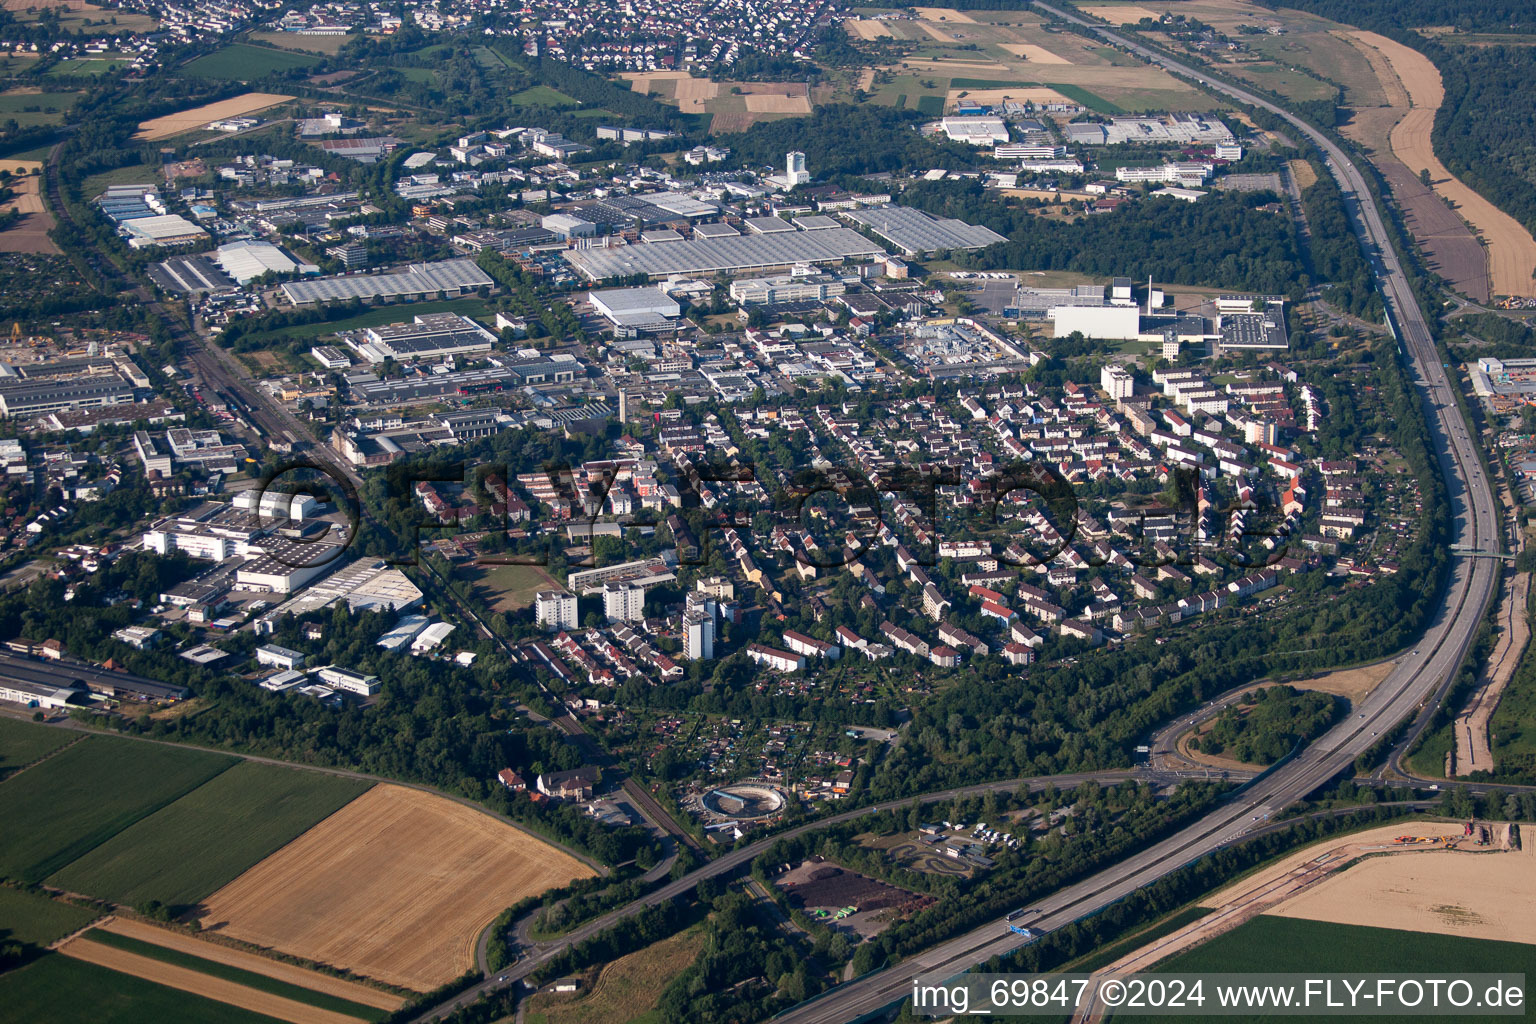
<point>375,317</point>
<point>183,852</point>
<point>250,979</point>
<point>21,743</point>
<point>543,96</point>
<point>931,105</point>
<point>35,108</point>
<point>62,990</point>
<point>81,797</point>
<point>506,588</point>
<point>87,66</point>
<point>244,62</point>
<point>37,920</point>
<point>1286,945</point>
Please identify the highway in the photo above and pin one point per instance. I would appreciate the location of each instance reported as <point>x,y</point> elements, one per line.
<point>1418,682</point>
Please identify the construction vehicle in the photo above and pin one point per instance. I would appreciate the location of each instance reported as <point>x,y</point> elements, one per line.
<point>1468,830</point>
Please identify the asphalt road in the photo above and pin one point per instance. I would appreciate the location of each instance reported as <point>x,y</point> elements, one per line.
<point>1419,681</point>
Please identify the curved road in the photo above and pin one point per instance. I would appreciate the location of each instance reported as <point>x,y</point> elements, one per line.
<point>1416,684</point>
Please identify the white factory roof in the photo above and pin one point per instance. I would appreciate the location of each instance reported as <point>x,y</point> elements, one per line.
<point>416,160</point>
<point>417,279</point>
<point>170,225</point>
<point>915,231</point>
<point>685,206</point>
<point>244,261</point>
<point>708,255</point>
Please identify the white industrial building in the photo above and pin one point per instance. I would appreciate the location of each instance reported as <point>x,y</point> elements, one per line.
<point>274,504</point>
<point>168,229</point>
<point>274,656</point>
<point>1106,323</point>
<point>346,679</point>
<point>636,309</point>
<point>246,261</point>
<point>977,131</point>
<point>449,278</point>
<point>406,630</point>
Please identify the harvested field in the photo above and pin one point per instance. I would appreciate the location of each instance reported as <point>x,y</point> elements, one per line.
<point>692,93</point>
<point>1034,54</point>
<point>935,33</point>
<point>188,980</point>
<point>1022,93</point>
<point>186,120</point>
<point>641,81</point>
<point>1511,249</point>
<point>395,886</point>
<point>1483,894</point>
<point>1119,15</point>
<point>862,28</point>
<point>728,122</point>
<point>769,104</point>
<point>184,943</point>
<point>944,14</point>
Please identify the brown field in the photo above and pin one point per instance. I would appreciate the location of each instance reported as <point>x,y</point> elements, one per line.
<point>1487,894</point>
<point>731,121</point>
<point>1354,683</point>
<point>1302,171</point>
<point>944,14</point>
<point>1308,874</point>
<point>1511,249</point>
<point>1119,15</point>
<point>935,33</point>
<point>625,989</point>
<point>206,985</point>
<point>397,886</point>
<point>867,28</point>
<point>294,975</point>
<point>1022,93</point>
<point>641,81</point>
<point>30,233</point>
<point>1034,54</point>
<point>174,124</point>
<point>768,103</point>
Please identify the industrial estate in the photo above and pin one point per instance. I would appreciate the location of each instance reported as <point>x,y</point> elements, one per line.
<point>720,512</point>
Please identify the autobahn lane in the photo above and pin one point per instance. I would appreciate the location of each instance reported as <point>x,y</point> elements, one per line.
<point>1414,686</point>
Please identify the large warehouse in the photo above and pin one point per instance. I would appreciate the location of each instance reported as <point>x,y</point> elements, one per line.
<point>730,255</point>
<point>419,280</point>
<point>426,337</point>
<point>636,309</point>
<point>915,233</point>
